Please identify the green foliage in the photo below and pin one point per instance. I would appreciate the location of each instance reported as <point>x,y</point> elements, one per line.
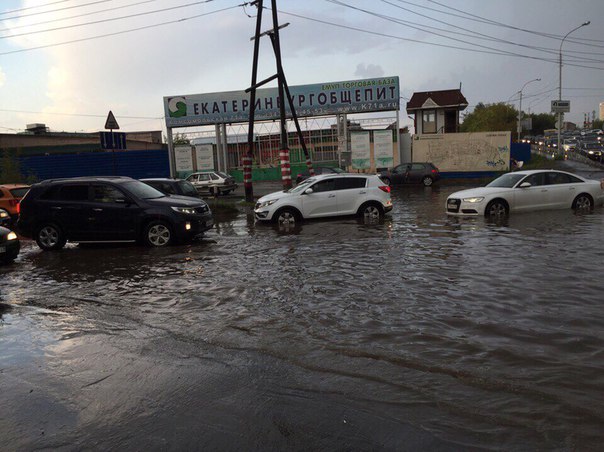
<point>597,124</point>
<point>10,169</point>
<point>541,122</point>
<point>491,118</point>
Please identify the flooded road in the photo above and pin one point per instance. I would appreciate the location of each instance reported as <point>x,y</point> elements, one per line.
<point>423,332</point>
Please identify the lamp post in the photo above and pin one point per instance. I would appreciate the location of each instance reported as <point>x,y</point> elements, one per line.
<point>520,107</point>
<point>560,115</point>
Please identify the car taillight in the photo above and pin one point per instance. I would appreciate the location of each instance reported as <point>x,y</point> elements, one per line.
<point>18,208</point>
<point>385,188</point>
<point>434,171</point>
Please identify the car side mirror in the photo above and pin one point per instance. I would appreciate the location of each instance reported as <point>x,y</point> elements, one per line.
<point>308,191</point>
<point>525,185</point>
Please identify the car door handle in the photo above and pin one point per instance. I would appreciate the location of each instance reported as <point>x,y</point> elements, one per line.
<point>572,188</point>
<point>331,196</point>
<point>56,208</point>
<point>362,192</point>
<point>97,210</point>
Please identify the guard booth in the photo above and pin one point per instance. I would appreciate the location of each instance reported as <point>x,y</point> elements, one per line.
<point>339,124</point>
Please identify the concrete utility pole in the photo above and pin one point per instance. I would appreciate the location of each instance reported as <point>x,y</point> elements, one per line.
<point>560,114</point>
<point>520,107</point>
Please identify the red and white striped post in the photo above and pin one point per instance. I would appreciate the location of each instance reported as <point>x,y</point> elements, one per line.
<point>286,171</point>
<point>247,178</point>
<point>311,170</point>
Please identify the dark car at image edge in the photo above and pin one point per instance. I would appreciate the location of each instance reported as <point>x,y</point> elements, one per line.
<point>424,173</point>
<point>108,209</point>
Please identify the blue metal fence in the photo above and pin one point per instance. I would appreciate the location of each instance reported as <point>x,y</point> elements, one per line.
<point>136,164</point>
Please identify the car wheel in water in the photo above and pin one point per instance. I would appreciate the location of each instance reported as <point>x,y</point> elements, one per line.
<point>158,234</point>
<point>371,212</point>
<point>583,203</point>
<point>496,208</point>
<point>286,217</point>
<point>427,181</point>
<point>50,237</point>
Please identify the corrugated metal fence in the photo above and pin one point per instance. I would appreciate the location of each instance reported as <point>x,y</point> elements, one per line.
<point>136,164</point>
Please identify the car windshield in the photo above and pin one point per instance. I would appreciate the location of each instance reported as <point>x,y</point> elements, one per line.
<point>302,185</point>
<point>188,189</point>
<point>507,180</point>
<point>142,190</point>
<point>19,192</point>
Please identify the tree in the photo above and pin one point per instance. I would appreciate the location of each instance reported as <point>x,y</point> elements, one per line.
<point>491,118</point>
<point>10,169</point>
<point>597,124</point>
<point>541,122</point>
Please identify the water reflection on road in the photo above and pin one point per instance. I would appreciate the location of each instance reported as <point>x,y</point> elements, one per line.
<point>336,333</point>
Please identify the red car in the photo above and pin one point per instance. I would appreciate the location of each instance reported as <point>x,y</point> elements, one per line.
<point>10,195</point>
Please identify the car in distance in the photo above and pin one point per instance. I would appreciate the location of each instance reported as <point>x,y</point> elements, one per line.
<point>318,170</point>
<point>213,182</point>
<point>108,209</point>
<point>172,187</point>
<point>9,245</point>
<point>528,190</point>
<point>327,195</point>
<point>425,173</point>
<point>10,195</point>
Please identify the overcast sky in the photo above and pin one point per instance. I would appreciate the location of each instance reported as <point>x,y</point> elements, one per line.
<point>492,48</point>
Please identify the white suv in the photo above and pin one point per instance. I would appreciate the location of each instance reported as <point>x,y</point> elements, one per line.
<point>327,195</point>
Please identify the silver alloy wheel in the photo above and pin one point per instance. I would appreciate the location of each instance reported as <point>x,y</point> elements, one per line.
<point>158,235</point>
<point>49,236</point>
<point>583,203</point>
<point>286,218</point>
<point>497,209</point>
<point>427,181</point>
<point>371,212</point>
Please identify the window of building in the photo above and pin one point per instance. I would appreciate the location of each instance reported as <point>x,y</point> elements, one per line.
<point>429,121</point>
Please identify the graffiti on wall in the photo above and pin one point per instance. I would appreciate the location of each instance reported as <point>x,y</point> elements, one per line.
<point>464,152</point>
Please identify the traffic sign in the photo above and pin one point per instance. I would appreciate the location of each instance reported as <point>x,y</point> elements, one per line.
<point>111,123</point>
<point>113,140</point>
<point>560,106</point>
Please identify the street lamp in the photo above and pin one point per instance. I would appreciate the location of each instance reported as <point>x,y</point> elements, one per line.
<point>560,115</point>
<point>520,107</point>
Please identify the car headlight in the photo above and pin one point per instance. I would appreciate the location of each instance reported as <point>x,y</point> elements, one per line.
<point>474,199</point>
<point>11,236</point>
<point>267,203</point>
<point>187,210</point>
<point>3,213</point>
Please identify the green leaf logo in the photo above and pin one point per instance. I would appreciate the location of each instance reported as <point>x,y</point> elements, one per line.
<point>177,107</point>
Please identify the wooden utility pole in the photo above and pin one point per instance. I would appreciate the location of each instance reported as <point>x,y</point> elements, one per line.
<point>283,93</point>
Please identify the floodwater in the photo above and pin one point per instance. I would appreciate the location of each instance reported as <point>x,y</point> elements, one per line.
<point>419,333</point>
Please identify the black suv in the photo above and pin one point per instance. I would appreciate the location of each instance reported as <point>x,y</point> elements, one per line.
<point>173,186</point>
<point>108,209</point>
<point>425,173</point>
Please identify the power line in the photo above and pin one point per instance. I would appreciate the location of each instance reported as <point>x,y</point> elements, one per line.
<point>385,35</point>
<point>130,16</point>
<point>409,24</point>
<point>33,7</point>
<point>76,16</point>
<point>500,24</point>
<point>79,115</point>
<point>146,27</point>
<point>58,9</point>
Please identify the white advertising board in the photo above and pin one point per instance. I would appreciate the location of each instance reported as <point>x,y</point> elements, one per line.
<point>360,147</point>
<point>204,154</point>
<point>183,158</point>
<point>382,148</point>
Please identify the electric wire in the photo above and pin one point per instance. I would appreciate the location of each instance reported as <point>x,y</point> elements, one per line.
<point>58,9</point>
<point>131,30</point>
<point>112,19</point>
